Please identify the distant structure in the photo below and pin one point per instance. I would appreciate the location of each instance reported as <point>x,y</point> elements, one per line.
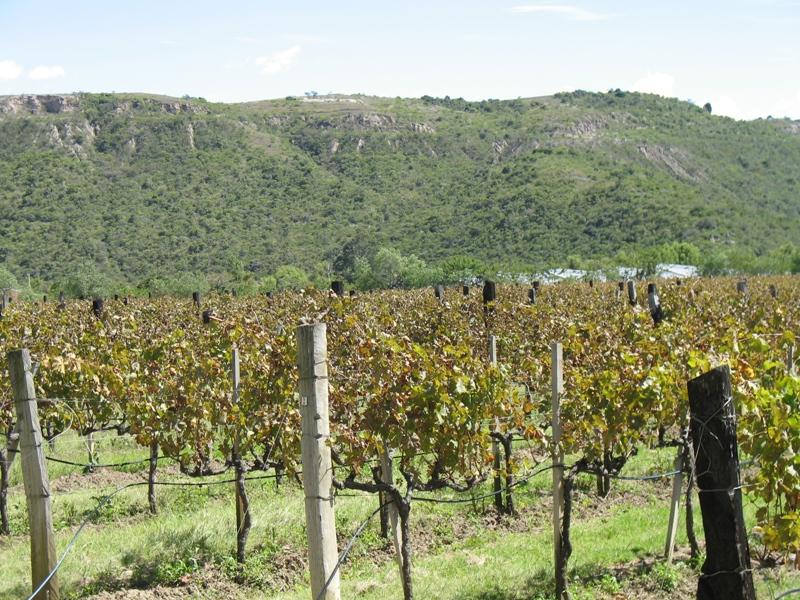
<point>667,271</point>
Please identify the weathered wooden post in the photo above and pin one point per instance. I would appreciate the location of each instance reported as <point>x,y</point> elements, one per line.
<point>196,299</point>
<point>465,290</point>
<point>773,290</point>
<point>97,307</point>
<point>674,506</point>
<point>7,454</point>
<point>387,477</point>
<point>726,572</point>
<point>34,476</point>
<point>532,295</point>
<point>632,292</point>
<point>151,478</point>
<point>438,291</point>
<point>557,386</point>
<point>243,520</point>
<point>741,286</point>
<point>654,303</point>
<point>337,287</point>
<point>312,358</point>
<point>620,289</point>
<point>497,483</point>
<point>790,368</point>
<point>489,292</point>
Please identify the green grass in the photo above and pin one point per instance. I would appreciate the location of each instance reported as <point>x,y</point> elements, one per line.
<point>616,545</point>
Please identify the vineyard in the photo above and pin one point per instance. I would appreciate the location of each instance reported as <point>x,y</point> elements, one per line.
<point>439,397</point>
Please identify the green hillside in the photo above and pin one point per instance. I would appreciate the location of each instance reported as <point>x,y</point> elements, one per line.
<point>145,186</point>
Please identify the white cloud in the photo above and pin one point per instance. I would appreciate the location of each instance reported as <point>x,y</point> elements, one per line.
<point>747,107</point>
<point>656,83</point>
<point>725,105</point>
<point>46,72</point>
<point>572,12</point>
<point>279,61</point>
<point>9,70</point>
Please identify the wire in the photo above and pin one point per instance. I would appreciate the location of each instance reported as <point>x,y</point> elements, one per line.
<point>788,593</point>
<point>105,499</point>
<point>518,482</point>
<point>96,465</point>
<point>347,549</point>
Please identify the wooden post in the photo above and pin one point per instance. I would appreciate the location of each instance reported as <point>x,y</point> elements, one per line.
<point>243,521</point>
<point>337,287</point>
<point>741,286</point>
<point>620,288</point>
<point>790,368</point>
<point>489,292</point>
<point>654,303</point>
<point>90,452</point>
<point>465,290</point>
<point>394,516</point>
<point>312,358</point>
<point>497,484</point>
<point>726,572</point>
<point>674,507</point>
<point>632,292</point>
<point>151,478</point>
<point>34,476</point>
<point>557,384</point>
<point>196,299</point>
<point>438,291</point>
<point>97,307</point>
<point>532,295</point>
<point>7,455</point>
<point>773,291</point>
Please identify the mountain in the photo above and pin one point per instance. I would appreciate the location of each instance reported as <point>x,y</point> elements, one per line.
<point>144,185</point>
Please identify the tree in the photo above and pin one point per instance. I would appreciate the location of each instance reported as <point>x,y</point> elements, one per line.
<point>288,277</point>
<point>387,268</point>
<point>86,281</point>
<point>458,269</point>
<point>7,279</point>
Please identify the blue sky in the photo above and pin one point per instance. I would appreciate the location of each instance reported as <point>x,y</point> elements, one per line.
<point>742,55</point>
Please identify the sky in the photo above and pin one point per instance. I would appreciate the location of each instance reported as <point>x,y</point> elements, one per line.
<point>742,56</point>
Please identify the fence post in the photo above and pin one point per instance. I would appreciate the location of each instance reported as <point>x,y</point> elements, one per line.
<point>557,384</point>
<point>243,521</point>
<point>34,475</point>
<point>312,358</point>
<point>6,460</point>
<point>497,486</point>
<point>151,478</point>
<point>790,369</point>
<point>654,303</point>
<point>726,572</point>
<point>674,506</point>
<point>632,292</point>
<point>387,477</point>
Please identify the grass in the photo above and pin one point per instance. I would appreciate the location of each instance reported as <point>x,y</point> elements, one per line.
<point>462,553</point>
